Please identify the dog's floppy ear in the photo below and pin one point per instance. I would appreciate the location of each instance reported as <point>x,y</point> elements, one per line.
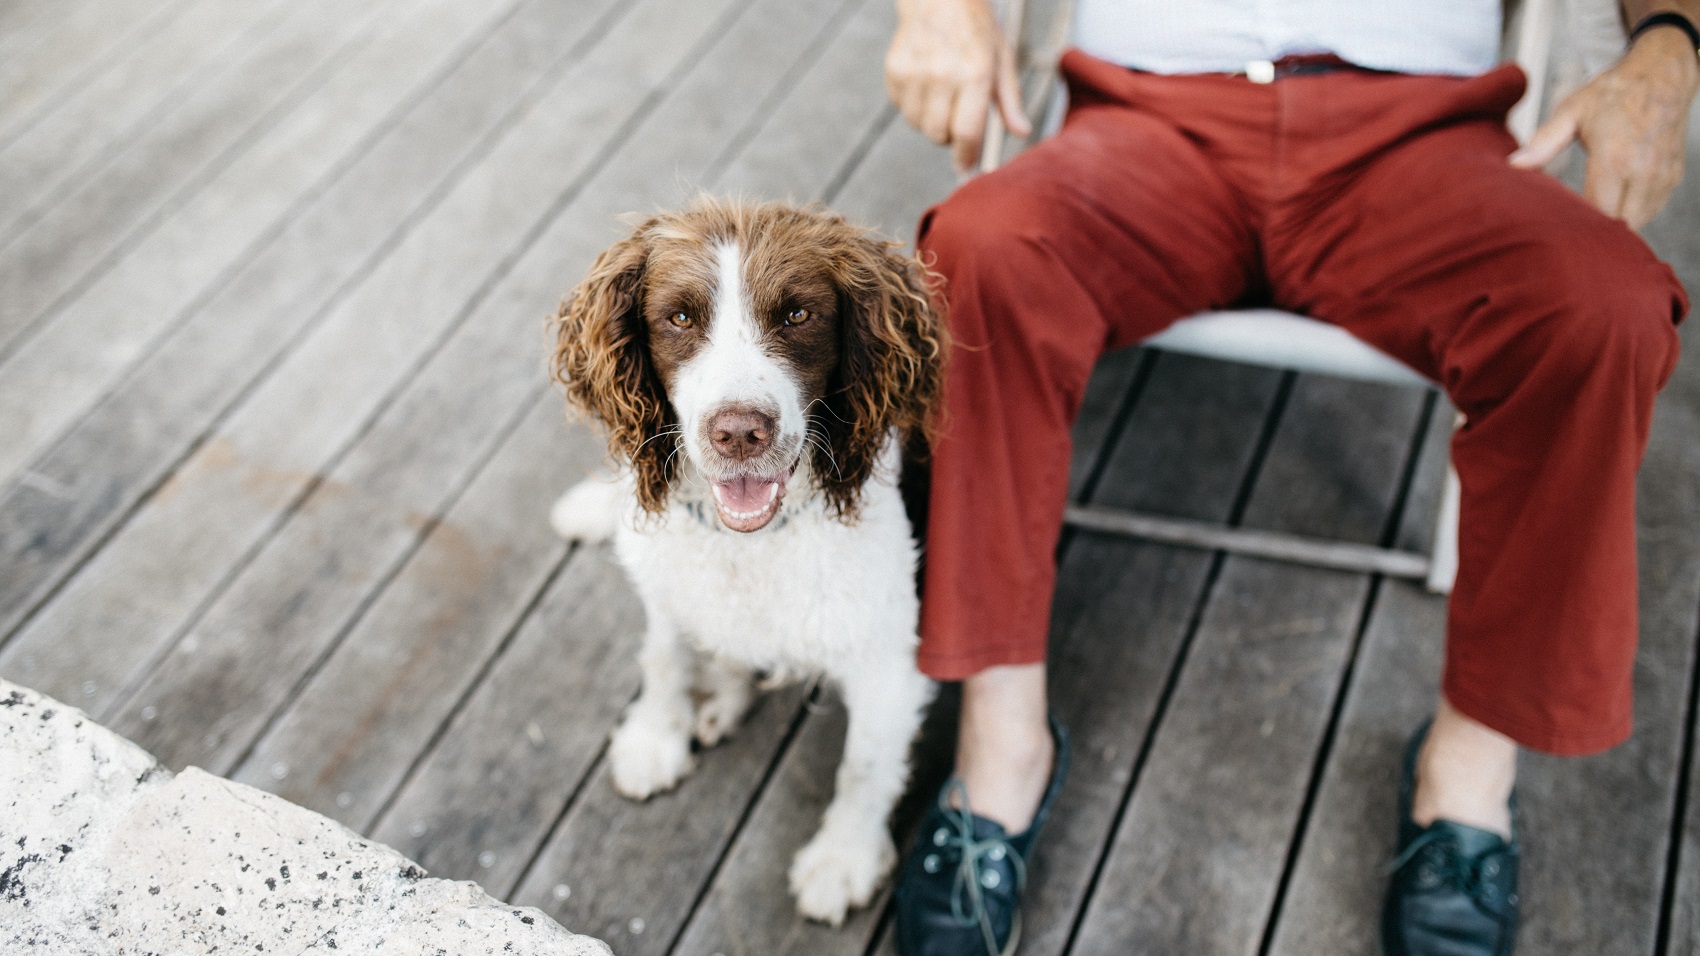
<point>891,366</point>
<point>602,357</point>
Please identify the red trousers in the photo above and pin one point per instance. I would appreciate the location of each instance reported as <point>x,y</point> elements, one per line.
<point>1379,202</point>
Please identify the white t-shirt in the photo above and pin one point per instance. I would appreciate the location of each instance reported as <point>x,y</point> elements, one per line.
<point>1459,37</point>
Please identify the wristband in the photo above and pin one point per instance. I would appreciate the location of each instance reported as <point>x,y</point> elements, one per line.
<point>1667,19</point>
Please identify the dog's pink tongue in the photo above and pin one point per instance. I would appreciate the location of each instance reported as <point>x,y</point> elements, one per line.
<point>747,503</point>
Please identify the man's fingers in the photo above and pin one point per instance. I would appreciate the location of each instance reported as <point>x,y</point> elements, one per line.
<point>1639,204</point>
<point>936,113</point>
<point>968,126</point>
<point>1549,140</point>
<point>1009,95</point>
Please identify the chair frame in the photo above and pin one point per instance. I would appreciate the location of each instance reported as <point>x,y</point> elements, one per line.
<point>1271,337</point>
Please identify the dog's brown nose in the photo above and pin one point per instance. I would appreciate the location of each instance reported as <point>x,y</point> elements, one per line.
<point>740,433</point>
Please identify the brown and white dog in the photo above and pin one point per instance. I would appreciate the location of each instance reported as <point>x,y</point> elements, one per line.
<point>758,368</point>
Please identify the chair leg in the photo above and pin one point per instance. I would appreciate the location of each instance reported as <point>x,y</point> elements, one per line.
<point>1443,567</point>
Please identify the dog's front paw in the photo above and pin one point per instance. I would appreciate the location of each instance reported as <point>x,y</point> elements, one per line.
<point>648,757</point>
<point>723,698</point>
<point>837,872</point>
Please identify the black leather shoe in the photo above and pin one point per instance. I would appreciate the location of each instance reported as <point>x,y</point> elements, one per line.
<point>960,893</point>
<point>1454,888</point>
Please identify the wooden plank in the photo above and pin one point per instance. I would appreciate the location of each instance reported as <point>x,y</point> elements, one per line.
<point>1196,861</point>
<point>347,741</point>
<point>1109,394</point>
<point>94,476</point>
<point>1673,236</point>
<point>321,399</point>
<point>484,798</point>
<point>144,78</point>
<point>633,890</point>
<point>903,175</point>
<point>126,448</point>
<point>377,736</point>
<point>92,226</point>
<point>748,908</point>
<point>54,51</point>
<point>62,369</point>
<point>1340,872</point>
<point>1102,579</point>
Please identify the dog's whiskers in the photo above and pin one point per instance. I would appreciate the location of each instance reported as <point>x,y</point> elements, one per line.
<point>821,443</point>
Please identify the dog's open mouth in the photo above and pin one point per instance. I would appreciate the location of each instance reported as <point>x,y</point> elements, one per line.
<point>749,502</point>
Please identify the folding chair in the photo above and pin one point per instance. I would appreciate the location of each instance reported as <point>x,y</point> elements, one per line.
<point>1271,337</point>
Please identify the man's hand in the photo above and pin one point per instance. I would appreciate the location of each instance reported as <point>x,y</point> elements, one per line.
<point>947,63</point>
<point>1633,120</point>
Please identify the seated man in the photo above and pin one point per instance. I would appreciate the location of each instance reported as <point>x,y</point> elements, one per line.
<point>1349,161</point>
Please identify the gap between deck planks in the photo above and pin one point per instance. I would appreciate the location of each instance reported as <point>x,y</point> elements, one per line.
<point>458,265</point>
<point>296,285</point>
<point>57,374</point>
<point>44,266</point>
<point>375,748</point>
<point>83,129</point>
<point>50,55</point>
<point>277,305</point>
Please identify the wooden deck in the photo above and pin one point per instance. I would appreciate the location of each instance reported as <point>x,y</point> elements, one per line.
<point>278,448</point>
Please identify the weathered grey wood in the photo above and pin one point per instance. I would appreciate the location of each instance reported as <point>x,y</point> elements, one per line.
<point>1195,863</point>
<point>541,271</point>
<point>348,739</point>
<point>632,871</point>
<point>1334,894</point>
<point>1106,400</point>
<point>127,446</point>
<point>376,744</point>
<point>62,369</point>
<point>1685,901</point>
<point>139,81</point>
<point>1674,236</point>
<point>315,404</point>
<point>51,53</point>
<point>902,175</point>
<point>749,908</point>
<point>92,226</point>
<point>1272,545</point>
<point>484,797</point>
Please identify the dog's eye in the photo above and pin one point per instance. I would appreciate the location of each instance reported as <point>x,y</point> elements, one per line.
<point>682,319</point>
<point>797,316</point>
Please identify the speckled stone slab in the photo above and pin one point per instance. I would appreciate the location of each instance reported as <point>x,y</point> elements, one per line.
<point>102,851</point>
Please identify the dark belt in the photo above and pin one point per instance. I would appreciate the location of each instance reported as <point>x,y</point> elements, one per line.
<point>1305,64</point>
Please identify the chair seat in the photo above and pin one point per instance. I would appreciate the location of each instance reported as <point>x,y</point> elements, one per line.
<point>1271,337</point>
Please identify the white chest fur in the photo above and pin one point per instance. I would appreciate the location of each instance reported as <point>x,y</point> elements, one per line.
<point>806,593</point>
